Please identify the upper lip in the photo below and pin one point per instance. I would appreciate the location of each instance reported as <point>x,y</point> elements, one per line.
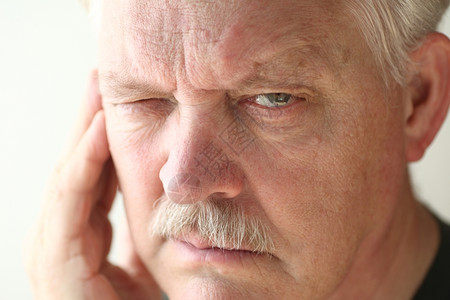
<point>201,244</point>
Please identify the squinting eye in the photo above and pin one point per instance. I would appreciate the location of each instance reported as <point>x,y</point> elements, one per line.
<point>274,99</point>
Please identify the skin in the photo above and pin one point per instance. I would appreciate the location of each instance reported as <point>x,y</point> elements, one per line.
<point>326,173</point>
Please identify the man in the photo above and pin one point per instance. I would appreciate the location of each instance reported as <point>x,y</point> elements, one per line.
<point>261,148</point>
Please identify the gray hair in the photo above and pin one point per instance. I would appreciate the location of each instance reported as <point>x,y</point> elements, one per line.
<point>391,28</point>
<point>394,28</point>
<point>220,223</point>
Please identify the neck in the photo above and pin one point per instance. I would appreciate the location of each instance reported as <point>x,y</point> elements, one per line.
<point>395,257</point>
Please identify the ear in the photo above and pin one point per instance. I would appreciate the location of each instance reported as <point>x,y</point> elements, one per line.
<point>429,94</point>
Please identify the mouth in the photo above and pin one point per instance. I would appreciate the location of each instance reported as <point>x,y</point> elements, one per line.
<point>200,244</point>
<point>192,249</point>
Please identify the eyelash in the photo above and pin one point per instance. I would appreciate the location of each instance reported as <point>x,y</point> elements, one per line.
<point>163,107</point>
<point>278,96</point>
<point>152,106</point>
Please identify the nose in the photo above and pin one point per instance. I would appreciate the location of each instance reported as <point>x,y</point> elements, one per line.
<point>199,165</point>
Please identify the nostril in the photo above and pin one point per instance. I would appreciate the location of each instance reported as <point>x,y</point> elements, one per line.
<point>184,188</point>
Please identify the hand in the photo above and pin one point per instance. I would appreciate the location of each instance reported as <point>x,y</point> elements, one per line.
<point>67,255</point>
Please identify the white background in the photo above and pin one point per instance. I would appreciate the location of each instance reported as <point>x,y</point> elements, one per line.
<point>46,51</point>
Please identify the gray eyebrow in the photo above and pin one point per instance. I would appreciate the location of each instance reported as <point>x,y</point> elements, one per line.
<point>119,87</point>
<point>116,86</point>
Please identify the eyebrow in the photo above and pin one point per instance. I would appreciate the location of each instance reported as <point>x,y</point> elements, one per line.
<point>289,81</point>
<point>122,88</point>
<point>119,87</point>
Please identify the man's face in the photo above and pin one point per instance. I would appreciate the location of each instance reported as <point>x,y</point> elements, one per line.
<point>272,107</point>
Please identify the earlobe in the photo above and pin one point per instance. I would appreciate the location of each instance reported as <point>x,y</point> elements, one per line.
<point>429,94</point>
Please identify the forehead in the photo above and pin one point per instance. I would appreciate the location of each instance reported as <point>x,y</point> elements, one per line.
<point>217,44</point>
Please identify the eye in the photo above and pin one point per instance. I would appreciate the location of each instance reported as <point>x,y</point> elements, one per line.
<point>158,107</point>
<point>274,99</point>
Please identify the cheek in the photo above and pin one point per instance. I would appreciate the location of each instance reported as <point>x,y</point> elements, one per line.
<point>323,199</point>
<point>137,159</point>
<point>315,216</point>
<point>135,144</point>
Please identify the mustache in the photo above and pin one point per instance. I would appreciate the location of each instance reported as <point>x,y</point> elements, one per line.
<point>221,223</point>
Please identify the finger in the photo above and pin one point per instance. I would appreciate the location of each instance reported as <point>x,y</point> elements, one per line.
<point>108,187</point>
<point>130,287</point>
<point>91,104</point>
<point>78,183</point>
<point>125,245</point>
<point>128,258</point>
<point>131,267</point>
<point>104,199</point>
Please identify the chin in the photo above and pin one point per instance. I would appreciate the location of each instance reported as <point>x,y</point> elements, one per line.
<point>217,288</point>
<point>185,272</point>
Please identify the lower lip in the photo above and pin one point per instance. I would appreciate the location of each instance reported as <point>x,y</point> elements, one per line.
<point>193,254</point>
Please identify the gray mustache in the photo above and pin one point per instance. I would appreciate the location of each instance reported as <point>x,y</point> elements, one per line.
<point>219,222</point>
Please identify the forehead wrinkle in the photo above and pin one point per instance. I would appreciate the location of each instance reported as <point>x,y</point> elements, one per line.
<point>200,40</point>
<point>153,40</point>
<point>293,63</point>
<point>245,45</point>
<point>162,31</point>
<point>156,54</point>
